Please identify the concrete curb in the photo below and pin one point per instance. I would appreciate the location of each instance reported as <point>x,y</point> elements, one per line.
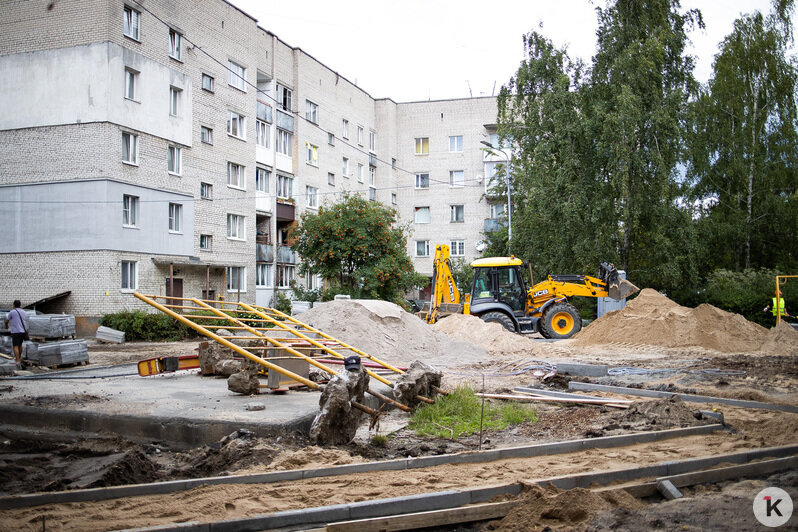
<point>181,432</point>
<point>320,516</point>
<point>94,494</point>
<point>588,387</point>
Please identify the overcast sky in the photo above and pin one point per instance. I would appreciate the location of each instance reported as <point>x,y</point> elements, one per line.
<point>434,49</point>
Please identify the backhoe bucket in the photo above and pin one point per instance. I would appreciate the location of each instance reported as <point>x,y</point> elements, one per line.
<point>617,288</point>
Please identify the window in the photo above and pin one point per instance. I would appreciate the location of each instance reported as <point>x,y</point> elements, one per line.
<point>458,248</point>
<point>456,178</point>
<point>314,282</point>
<point>421,215</point>
<point>311,111</point>
<point>206,135</point>
<point>312,154</point>
<point>345,128</point>
<point>285,186</point>
<point>422,146</point>
<point>175,217</point>
<point>422,180</point>
<point>372,194</point>
<point>206,242</point>
<point>456,214</point>
<point>283,98</point>
<point>235,227</point>
<point>129,277</point>
<point>312,193</point>
<point>372,176</point>
<point>174,101</point>
<point>130,210</point>
<point>235,175</point>
<point>262,133</point>
<point>236,278</point>
<point>359,172</point>
<point>373,140</point>
<point>262,178</point>
<point>284,142</point>
<point>131,82</point>
<point>330,139</point>
<point>236,76</point>
<point>175,44</point>
<point>360,135</point>
<point>207,82</point>
<point>236,125</point>
<point>345,168</point>
<point>456,144</point>
<point>206,191</point>
<point>263,275</point>
<point>285,275</point>
<point>331,178</point>
<point>130,23</point>
<point>422,248</point>
<point>393,163</point>
<point>174,159</point>
<point>497,210</point>
<point>129,148</point>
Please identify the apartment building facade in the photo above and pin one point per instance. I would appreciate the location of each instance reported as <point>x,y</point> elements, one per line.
<point>169,147</point>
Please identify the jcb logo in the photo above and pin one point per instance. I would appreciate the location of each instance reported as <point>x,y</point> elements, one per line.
<point>540,293</point>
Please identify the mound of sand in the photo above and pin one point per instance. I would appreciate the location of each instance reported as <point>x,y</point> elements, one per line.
<point>781,340</point>
<point>653,319</point>
<point>386,331</point>
<point>493,337</point>
<point>312,457</point>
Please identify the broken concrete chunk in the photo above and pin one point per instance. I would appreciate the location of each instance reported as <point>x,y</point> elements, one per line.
<point>337,420</point>
<point>244,383</point>
<point>419,379</point>
<point>254,406</point>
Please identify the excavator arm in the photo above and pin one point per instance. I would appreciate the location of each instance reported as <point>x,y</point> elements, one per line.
<point>607,284</point>
<point>445,295</point>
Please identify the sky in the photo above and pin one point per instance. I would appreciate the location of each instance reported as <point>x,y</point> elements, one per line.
<point>436,49</point>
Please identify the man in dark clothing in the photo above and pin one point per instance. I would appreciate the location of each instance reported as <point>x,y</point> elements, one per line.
<point>17,323</point>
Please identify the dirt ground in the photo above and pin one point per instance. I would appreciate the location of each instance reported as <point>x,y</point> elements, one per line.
<point>487,359</point>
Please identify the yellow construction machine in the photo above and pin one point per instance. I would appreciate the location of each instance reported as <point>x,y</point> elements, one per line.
<point>499,294</point>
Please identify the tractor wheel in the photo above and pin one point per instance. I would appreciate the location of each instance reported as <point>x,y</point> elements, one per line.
<point>560,321</point>
<point>500,318</point>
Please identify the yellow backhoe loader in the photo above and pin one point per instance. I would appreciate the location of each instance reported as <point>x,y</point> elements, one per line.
<point>499,294</point>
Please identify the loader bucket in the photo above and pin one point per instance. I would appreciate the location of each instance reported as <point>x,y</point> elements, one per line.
<point>617,288</point>
<point>621,289</point>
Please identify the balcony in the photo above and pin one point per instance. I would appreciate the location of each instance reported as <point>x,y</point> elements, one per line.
<point>285,255</point>
<point>286,212</point>
<point>264,252</point>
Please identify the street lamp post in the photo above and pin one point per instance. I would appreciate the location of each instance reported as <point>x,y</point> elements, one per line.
<point>493,149</point>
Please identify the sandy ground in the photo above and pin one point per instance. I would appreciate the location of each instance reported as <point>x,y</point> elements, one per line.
<point>758,365</point>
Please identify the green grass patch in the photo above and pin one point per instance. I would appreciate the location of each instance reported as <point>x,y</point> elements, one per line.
<point>379,440</point>
<point>458,414</point>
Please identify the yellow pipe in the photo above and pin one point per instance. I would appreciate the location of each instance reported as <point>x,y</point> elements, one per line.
<point>281,346</point>
<point>778,299</point>
<point>226,343</point>
<point>321,346</point>
<point>345,346</point>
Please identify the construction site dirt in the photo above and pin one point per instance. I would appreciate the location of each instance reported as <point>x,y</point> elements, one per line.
<point>762,366</point>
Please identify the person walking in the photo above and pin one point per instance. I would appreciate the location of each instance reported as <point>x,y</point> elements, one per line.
<point>17,322</point>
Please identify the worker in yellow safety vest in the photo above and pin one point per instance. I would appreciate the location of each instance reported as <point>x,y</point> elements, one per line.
<point>780,308</point>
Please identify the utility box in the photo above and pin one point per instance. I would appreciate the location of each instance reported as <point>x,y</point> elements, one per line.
<point>607,304</point>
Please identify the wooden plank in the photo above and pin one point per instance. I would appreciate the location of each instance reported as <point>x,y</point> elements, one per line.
<point>690,398</point>
<point>617,403</point>
<point>450,516</point>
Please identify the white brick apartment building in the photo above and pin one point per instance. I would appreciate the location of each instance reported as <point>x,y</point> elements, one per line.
<point>167,146</point>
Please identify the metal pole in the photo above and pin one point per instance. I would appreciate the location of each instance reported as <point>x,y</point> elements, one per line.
<point>509,207</point>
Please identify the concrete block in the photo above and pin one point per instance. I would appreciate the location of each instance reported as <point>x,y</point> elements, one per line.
<point>110,335</point>
<point>413,503</point>
<point>348,469</point>
<point>487,494</point>
<point>288,518</point>
<point>582,370</point>
<point>298,307</point>
<point>7,367</point>
<point>51,325</point>
<point>668,490</point>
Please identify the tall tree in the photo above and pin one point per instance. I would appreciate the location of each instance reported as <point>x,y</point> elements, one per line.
<point>745,147</point>
<point>640,84</point>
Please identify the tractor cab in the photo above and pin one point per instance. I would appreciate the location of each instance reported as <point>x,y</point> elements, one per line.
<point>499,292</point>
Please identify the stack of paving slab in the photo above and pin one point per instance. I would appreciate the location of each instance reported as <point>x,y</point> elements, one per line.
<point>59,348</point>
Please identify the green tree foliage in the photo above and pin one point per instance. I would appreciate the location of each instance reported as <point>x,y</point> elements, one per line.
<point>358,244</point>
<point>151,327</point>
<point>745,147</point>
<point>748,292</point>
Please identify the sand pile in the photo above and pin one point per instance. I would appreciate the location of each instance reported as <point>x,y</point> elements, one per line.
<point>781,340</point>
<point>492,336</point>
<point>653,319</point>
<point>312,457</point>
<point>385,331</point>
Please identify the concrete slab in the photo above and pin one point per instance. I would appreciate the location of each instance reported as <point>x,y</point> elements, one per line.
<point>668,490</point>
<point>181,408</point>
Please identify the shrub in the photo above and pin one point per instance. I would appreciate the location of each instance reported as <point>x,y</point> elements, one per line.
<point>748,292</point>
<point>140,325</point>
